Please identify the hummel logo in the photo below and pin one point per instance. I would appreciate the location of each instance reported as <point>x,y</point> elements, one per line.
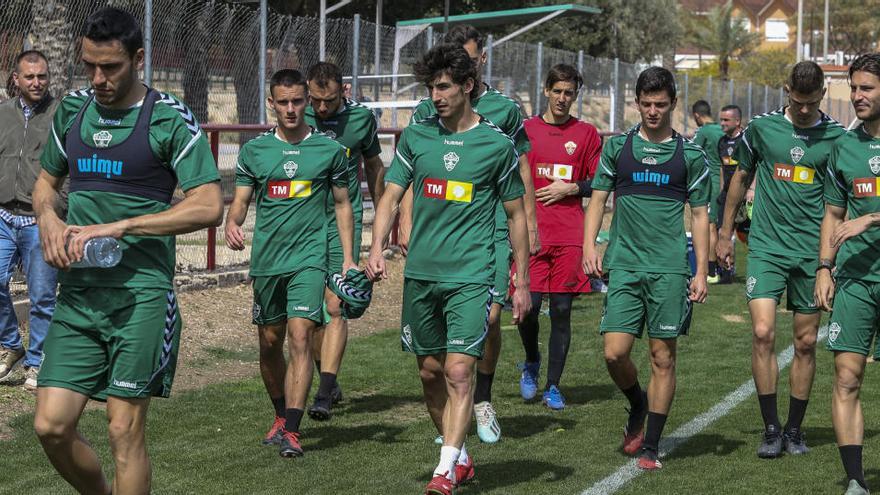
<point>453,143</point>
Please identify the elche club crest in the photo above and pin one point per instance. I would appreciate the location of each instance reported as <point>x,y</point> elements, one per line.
<point>255,311</point>
<point>450,160</point>
<point>729,150</point>
<point>796,154</point>
<point>649,160</point>
<point>290,169</point>
<point>750,284</point>
<point>874,162</point>
<point>331,134</point>
<point>102,138</point>
<point>833,331</point>
<point>570,147</point>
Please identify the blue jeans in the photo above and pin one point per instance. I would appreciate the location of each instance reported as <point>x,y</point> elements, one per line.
<point>22,244</point>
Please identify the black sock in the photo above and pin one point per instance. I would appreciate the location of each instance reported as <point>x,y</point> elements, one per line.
<point>483,388</point>
<point>560,336</point>
<point>796,410</point>
<point>656,422</point>
<point>293,417</point>
<point>279,405</point>
<point>634,396</point>
<point>713,268</point>
<point>768,410</point>
<point>528,330</point>
<point>325,386</point>
<point>851,455</point>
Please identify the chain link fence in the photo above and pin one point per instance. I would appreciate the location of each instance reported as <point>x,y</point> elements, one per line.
<point>207,53</point>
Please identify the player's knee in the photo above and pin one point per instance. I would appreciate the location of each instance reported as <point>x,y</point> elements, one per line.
<point>52,432</point>
<point>846,382</point>
<point>614,357</point>
<point>334,308</point>
<point>763,334</point>
<point>459,375</point>
<point>431,375</point>
<point>662,363</point>
<point>124,432</point>
<point>805,344</point>
<point>299,342</point>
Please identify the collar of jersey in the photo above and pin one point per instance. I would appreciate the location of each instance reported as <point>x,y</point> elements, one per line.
<point>275,133</point>
<point>821,118</point>
<point>440,121</point>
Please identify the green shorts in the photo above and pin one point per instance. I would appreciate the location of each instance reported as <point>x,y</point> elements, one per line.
<point>856,317</point>
<point>714,191</point>
<point>334,246</point>
<point>297,294</point>
<point>769,276</point>
<point>114,342</point>
<point>636,299</point>
<point>443,317</point>
<point>503,256</point>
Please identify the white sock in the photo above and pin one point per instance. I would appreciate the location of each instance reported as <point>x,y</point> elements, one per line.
<point>446,467</point>
<point>463,456</point>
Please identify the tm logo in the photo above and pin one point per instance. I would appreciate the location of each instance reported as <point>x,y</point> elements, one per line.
<point>648,177</point>
<point>95,165</point>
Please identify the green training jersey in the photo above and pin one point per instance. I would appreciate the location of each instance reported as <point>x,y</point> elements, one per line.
<point>647,229</point>
<point>458,181</point>
<point>354,127</point>
<point>707,137</point>
<point>790,163</point>
<point>854,183</point>
<point>502,111</point>
<point>292,183</point>
<point>176,140</point>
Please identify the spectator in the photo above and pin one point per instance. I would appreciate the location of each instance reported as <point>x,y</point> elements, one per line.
<point>24,127</point>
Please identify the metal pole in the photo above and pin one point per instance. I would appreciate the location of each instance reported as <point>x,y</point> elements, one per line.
<point>615,96</point>
<point>356,55</point>
<point>536,105</point>
<point>781,97</point>
<point>581,90</point>
<point>430,36</point>
<point>264,13</point>
<point>686,104</point>
<point>148,42</point>
<point>732,90</point>
<point>750,99</point>
<point>489,40</point>
<point>766,98</point>
<point>446,17</point>
<point>377,50</point>
<point>322,31</point>
<point>800,27</point>
<point>709,90</point>
<point>825,36</point>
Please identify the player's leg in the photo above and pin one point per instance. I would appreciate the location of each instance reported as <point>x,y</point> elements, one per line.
<point>334,336</point>
<point>661,391</point>
<point>560,340</point>
<point>432,376</point>
<point>270,316</point>
<point>126,420</point>
<point>846,413</point>
<point>714,276</point>
<point>529,329</point>
<point>623,317</point>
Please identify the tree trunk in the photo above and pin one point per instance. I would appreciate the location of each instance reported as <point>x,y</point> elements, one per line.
<point>52,34</point>
<point>195,75</point>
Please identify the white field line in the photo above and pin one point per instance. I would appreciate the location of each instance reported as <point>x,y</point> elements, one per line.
<point>630,471</point>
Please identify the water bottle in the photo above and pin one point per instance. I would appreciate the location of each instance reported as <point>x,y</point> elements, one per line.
<point>100,252</point>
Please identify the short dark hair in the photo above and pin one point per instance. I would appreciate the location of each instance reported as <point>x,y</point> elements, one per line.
<point>806,77</point>
<point>110,23</point>
<point>446,58</point>
<point>32,56</point>
<point>324,72</point>
<point>654,79</point>
<point>563,73</point>
<point>701,107</point>
<point>739,112</point>
<point>287,78</point>
<point>462,33</point>
<point>868,62</point>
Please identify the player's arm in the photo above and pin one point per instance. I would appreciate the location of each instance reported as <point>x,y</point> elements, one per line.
<point>374,169</point>
<point>51,227</point>
<point>404,222</point>
<point>344,224</point>
<point>235,217</point>
<point>382,227</point>
<point>854,227</point>
<point>700,234</point>
<point>525,173</point>
<point>592,262</point>
<point>823,292</point>
<point>735,194</point>
<point>519,241</point>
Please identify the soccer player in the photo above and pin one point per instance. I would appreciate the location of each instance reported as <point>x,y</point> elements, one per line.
<point>124,148</point>
<point>707,136</point>
<point>504,113</point>
<point>730,119</point>
<point>653,171</point>
<point>849,262</point>
<point>788,150</point>
<point>564,155</point>
<point>353,126</point>
<point>460,166</point>
<point>294,171</point>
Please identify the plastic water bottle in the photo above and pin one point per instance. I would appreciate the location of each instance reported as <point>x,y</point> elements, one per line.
<point>100,252</point>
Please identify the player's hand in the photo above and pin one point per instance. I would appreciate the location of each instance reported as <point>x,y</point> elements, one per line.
<point>53,241</point>
<point>234,236</point>
<point>750,195</point>
<point>349,265</point>
<point>534,242</point>
<point>592,263</point>
<point>77,236</point>
<point>724,251</point>
<point>522,302</point>
<point>403,232</point>
<point>848,229</point>
<point>823,292</point>
<point>698,289</point>
<point>376,265</point>
<point>557,190</point>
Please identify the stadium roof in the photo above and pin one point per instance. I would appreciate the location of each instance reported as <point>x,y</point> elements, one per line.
<point>505,16</point>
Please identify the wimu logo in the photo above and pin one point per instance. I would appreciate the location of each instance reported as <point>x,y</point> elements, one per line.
<point>95,165</point>
<point>648,177</point>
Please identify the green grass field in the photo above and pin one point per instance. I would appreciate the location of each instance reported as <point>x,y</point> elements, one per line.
<point>381,440</point>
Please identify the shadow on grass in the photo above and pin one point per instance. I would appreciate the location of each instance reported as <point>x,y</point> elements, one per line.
<point>496,475</point>
<point>704,444</point>
<point>584,394</point>
<point>824,435</point>
<point>378,403</point>
<point>527,425</point>
<point>331,437</point>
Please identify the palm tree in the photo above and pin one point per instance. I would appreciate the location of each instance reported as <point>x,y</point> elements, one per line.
<point>723,34</point>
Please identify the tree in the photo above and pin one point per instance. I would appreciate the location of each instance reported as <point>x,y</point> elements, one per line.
<point>767,67</point>
<point>724,35</point>
<point>854,26</point>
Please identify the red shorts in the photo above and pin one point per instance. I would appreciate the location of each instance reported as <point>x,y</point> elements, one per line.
<point>556,269</point>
